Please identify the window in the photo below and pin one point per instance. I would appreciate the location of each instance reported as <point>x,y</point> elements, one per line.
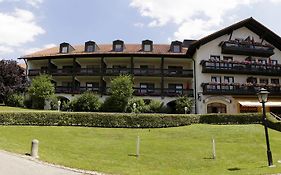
<point>215,57</point>
<point>177,48</point>
<point>274,62</point>
<point>94,86</point>
<point>264,80</point>
<point>118,48</point>
<point>216,79</point>
<point>228,79</point>
<point>175,70</point>
<point>90,48</point>
<point>262,61</point>
<point>64,49</point>
<point>216,108</point>
<point>227,58</point>
<point>147,47</point>
<point>175,88</point>
<point>252,80</point>
<point>146,88</point>
<point>275,81</point>
<point>122,69</point>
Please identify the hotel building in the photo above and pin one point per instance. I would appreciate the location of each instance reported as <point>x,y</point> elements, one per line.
<point>222,72</point>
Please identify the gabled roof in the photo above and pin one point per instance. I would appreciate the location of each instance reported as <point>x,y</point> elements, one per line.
<point>250,23</point>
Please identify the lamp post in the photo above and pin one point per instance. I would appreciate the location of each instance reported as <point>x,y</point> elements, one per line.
<point>263,93</point>
<point>185,110</point>
<point>134,107</point>
<point>59,103</point>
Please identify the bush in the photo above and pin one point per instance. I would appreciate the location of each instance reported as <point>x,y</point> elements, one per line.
<point>273,123</point>
<point>156,106</point>
<point>141,107</point>
<point>183,102</point>
<point>121,120</point>
<point>27,102</point>
<point>87,102</point>
<point>15,100</point>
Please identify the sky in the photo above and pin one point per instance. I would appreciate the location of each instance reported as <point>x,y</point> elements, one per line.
<point>27,26</point>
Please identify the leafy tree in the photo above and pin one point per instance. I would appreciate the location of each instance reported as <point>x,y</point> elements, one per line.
<point>15,100</point>
<point>121,93</point>
<point>12,79</point>
<point>183,102</point>
<point>40,90</point>
<point>87,102</point>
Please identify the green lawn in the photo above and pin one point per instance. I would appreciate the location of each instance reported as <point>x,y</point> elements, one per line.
<point>8,108</point>
<point>184,150</point>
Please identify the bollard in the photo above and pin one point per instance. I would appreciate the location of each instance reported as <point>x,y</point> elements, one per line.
<point>214,148</point>
<point>34,148</point>
<point>138,147</point>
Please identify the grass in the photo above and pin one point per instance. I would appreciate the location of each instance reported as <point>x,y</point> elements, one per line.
<point>241,149</point>
<point>8,108</point>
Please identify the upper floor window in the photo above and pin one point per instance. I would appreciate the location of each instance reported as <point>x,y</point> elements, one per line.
<point>215,58</point>
<point>227,58</point>
<point>274,62</point>
<point>262,61</point>
<point>118,46</point>
<point>275,81</point>
<point>176,46</point>
<point>90,48</point>
<point>264,80</point>
<point>64,49</point>
<point>147,45</point>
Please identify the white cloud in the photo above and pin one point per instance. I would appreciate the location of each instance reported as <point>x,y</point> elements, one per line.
<point>34,3</point>
<point>36,49</point>
<point>6,50</point>
<point>195,18</point>
<point>139,24</point>
<point>18,27</point>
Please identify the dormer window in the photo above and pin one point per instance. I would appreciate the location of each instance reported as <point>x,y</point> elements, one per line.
<point>118,46</point>
<point>65,48</point>
<point>176,47</point>
<point>147,45</point>
<point>90,46</point>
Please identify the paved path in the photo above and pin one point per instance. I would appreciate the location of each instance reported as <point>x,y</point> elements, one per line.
<point>13,164</point>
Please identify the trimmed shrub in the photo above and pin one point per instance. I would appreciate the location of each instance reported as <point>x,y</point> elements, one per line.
<point>141,107</point>
<point>87,102</point>
<point>243,118</point>
<point>156,106</point>
<point>15,100</point>
<point>273,123</point>
<point>121,120</point>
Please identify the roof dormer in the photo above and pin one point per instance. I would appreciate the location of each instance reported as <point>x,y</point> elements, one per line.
<point>176,47</point>
<point>147,46</point>
<point>118,46</point>
<point>65,48</point>
<point>90,46</point>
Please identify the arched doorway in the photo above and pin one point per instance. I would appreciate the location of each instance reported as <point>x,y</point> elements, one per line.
<point>216,108</point>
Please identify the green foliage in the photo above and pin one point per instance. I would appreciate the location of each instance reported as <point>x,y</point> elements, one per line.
<point>123,120</point>
<point>273,123</point>
<point>41,89</point>
<point>183,102</point>
<point>87,102</point>
<point>121,91</point>
<point>141,107</point>
<point>15,100</point>
<point>156,106</point>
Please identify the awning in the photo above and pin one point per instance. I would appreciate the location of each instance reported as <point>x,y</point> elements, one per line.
<point>258,104</point>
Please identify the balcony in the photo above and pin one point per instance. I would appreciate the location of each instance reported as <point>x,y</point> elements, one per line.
<point>137,91</point>
<point>238,89</point>
<point>114,72</point>
<point>246,67</point>
<point>247,48</point>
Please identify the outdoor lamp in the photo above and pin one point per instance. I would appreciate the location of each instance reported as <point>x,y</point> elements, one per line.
<point>185,110</point>
<point>134,107</point>
<point>59,103</point>
<point>263,94</point>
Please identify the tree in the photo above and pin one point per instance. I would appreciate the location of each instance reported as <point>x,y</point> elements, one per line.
<point>183,102</point>
<point>40,90</point>
<point>12,79</point>
<point>121,92</point>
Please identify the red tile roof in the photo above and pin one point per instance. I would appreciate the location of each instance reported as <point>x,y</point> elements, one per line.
<point>107,49</point>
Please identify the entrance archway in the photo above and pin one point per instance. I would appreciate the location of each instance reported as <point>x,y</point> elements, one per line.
<point>216,108</point>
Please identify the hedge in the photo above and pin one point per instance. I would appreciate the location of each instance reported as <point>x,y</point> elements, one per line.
<point>273,123</point>
<point>121,120</point>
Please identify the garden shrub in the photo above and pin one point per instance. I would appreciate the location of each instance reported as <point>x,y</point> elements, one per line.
<point>87,102</point>
<point>273,123</point>
<point>183,102</point>
<point>121,120</point>
<point>141,107</point>
<point>15,100</point>
<point>156,106</point>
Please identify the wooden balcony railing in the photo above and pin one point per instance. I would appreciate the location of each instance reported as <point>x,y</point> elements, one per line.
<point>114,72</point>
<point>245,67</point>
<point>137,91</point>
<point>239,89</point>
<point>247,48</point>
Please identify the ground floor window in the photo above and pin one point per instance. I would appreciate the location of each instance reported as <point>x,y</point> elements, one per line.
<point>216,108</point>
<point>248,109</point>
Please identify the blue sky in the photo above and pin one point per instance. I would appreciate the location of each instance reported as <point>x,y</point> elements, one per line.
<point>31,25</point>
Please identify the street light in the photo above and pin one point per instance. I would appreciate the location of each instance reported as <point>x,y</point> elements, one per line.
<point>185,110</point>
<point>263,93</point>
<point>134,107</point>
